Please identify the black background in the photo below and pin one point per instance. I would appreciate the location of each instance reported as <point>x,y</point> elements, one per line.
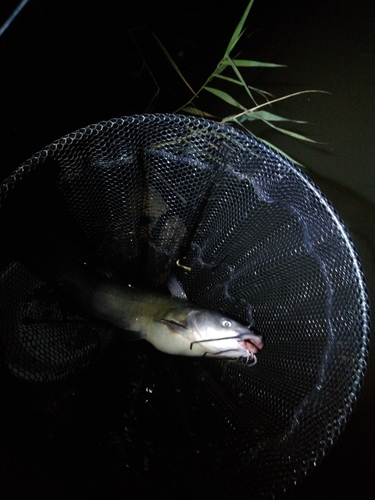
<point>68,63</point>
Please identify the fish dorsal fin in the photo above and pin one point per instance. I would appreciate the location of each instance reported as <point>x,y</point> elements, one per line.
<point>175,288</point>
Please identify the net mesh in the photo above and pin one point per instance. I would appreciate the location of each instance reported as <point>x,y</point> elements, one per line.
<point>253,237</point>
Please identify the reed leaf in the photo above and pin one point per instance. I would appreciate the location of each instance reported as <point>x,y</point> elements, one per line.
<point>279,129</point>
<point>173,64</point>
<point>247,63</point>
<point>239,29</point>
<point>225,97</point>
<point>266,115</point>
<point>246,114</point>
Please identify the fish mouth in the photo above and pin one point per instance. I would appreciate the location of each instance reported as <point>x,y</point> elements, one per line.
<point>251,342</point>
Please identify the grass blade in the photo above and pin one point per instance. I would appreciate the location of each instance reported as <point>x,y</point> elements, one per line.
<point>266,115</point>
<point>283,153</point>
<point>279,129</point>
<point>247,63</point>
<point>225,97</point>
<point>263,93</point>
<point>241,79</point>
<point>238,31</point>
<point>292,134</point>
<point>174,65</point>
<point>231,118</point>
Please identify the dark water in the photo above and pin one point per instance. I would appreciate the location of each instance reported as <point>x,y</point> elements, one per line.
<point>66,64</point>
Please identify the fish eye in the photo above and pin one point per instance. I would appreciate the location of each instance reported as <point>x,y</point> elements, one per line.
<point>226,323</point>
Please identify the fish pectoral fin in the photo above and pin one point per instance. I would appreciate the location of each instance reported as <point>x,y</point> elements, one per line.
<point>174,326</point>
<point>175,288</point>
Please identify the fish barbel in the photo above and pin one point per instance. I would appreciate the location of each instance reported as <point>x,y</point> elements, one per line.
<point>171,324</point>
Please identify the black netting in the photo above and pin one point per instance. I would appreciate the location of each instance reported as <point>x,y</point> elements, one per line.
<point>257,240</point>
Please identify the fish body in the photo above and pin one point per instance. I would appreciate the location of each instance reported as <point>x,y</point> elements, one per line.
<point>173,325</point>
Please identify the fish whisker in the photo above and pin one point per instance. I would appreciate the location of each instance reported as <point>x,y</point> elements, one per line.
<point>214,340</point>
<point>249,356</point>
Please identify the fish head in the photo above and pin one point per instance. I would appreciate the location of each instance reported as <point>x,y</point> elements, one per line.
<point>222,336</point>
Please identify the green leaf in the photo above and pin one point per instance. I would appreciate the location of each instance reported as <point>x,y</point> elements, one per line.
<point>238,31</point>
<point>267,116</point>
<point>272,146</point>
<point>247,63</point>
<point>241,79</point>
<point>229,79</point>
<point>225,97</point>
<point>293,134</point>
<point>288,132</point>
<point>219,68</point>
<point>261,92</point>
